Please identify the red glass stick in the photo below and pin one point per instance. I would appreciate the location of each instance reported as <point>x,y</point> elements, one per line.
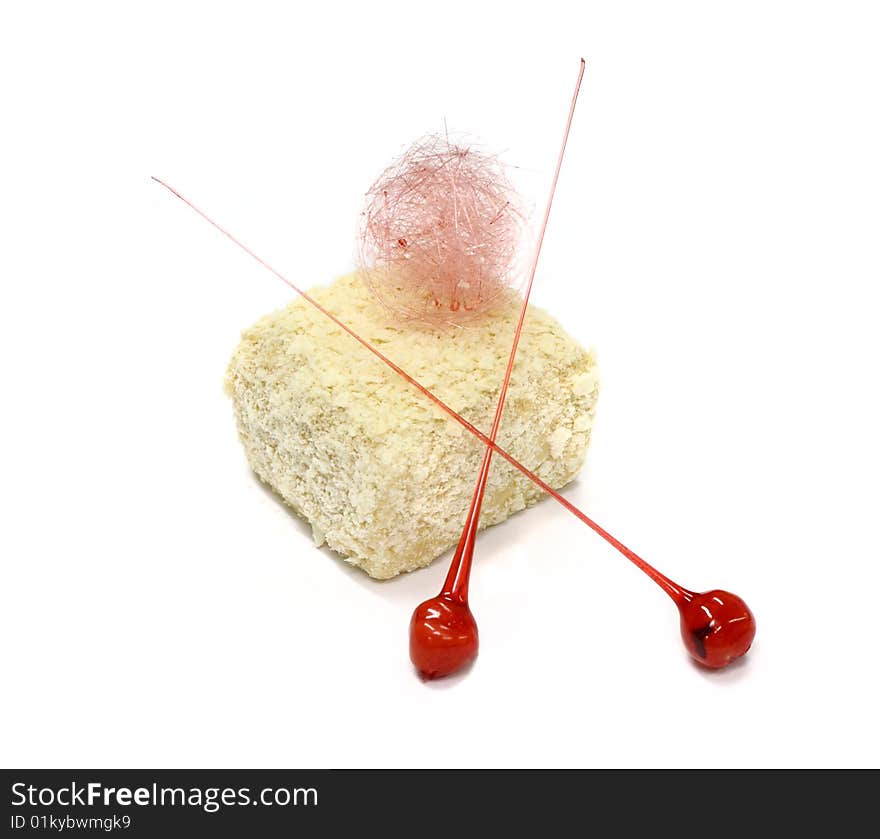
<point>443,636</point>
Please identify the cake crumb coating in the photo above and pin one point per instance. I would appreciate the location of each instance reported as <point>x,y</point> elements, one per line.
<point>383,476</point>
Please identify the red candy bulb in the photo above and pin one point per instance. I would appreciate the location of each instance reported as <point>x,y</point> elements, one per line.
<point>443,636</point>
<point>716,627</point>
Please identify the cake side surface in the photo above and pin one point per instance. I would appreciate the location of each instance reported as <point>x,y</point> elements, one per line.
<point>383,476</point>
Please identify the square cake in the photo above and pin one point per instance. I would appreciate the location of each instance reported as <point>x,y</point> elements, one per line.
<point>383,476</point>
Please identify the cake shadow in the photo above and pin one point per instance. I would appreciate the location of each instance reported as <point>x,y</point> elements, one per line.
<point>391,589</point>
<point>411,587</point>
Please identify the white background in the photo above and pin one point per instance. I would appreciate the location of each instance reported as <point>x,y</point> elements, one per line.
<point>715,238</point>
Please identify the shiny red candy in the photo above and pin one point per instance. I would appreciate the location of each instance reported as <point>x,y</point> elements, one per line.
<point>716,627</point>
<point>443,636</point>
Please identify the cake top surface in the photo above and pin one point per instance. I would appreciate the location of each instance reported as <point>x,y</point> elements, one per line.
<point>463,366</point>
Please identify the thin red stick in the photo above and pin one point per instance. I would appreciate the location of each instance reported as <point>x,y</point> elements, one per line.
<point>460,569</point>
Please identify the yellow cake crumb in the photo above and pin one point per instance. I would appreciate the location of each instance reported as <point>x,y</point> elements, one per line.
<point>383,475</point>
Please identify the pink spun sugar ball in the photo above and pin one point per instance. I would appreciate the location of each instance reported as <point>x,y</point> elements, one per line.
<point>441,231</point>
